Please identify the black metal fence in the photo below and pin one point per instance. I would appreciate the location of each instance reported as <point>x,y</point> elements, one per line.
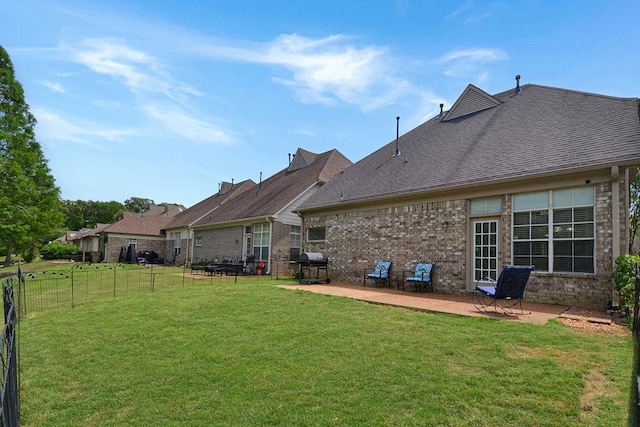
<point>10,393</point>
<point>85,283</point>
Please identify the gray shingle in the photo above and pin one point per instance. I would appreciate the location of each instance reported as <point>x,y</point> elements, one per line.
<point>539,131</point>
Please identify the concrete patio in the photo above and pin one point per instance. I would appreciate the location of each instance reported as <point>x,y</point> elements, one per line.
<point>449,303</point>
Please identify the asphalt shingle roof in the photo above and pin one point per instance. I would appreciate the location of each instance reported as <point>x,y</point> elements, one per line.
<point>196,212</point>
<point>278,191</point>
<point>538,131</point>
<point>140,224</point>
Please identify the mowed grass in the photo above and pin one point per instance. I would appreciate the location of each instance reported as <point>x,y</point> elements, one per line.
<point>249,353</point>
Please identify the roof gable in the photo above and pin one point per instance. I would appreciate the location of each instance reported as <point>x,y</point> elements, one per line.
<point>302,158</point>
<point>471,101</point>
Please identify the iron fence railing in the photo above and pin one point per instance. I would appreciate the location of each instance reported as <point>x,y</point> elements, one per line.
<point>85,283</point>
<point>10,393</point>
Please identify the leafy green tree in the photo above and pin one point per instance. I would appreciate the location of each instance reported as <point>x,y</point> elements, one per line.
<point>634,209</point>
<point>87,214</point>
<point>137,204</point>
<point>29,199</point>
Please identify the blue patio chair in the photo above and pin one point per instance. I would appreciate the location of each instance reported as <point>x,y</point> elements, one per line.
<point>380,274</point>
<point>421,278</point>
<point>505,293</point>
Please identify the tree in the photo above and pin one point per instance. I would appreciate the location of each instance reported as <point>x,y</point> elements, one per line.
<point>29,199</point>
<point>87,214</point>
<point>634,209</point>
<point>137,204</point>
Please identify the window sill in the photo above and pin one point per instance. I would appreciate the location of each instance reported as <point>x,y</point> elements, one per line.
<point>564,274</point>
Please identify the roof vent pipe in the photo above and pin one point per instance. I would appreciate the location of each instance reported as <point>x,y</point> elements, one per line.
<point>232,183</point>
<point>441,110</point>
<point>260,185</point>
<point>518,89</point>
<point>289,159</point>
<point>397,135</point>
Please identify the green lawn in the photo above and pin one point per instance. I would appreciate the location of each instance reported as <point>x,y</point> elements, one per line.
<point>249,353</point>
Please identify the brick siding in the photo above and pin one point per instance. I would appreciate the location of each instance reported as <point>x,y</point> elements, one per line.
<point>439,232</point>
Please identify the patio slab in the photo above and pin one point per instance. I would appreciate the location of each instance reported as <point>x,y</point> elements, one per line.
<point>432,301</point>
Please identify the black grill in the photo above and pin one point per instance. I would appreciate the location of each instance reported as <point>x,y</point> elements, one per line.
<point>310,264</point>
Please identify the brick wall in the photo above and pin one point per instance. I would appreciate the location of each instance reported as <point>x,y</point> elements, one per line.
<point>218,244</point>
<point>114,244</point>
<point>439,233</point>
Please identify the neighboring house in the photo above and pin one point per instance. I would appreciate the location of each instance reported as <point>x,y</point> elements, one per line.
<point>259,221</point>
<point>69,237</point>
<point>141,232</point>
<point>179,231</point>
<point>90,244</point>
<point>532,176</point>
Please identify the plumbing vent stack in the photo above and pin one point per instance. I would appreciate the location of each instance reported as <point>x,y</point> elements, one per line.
<point>518,89</point>
<point>397,135</point>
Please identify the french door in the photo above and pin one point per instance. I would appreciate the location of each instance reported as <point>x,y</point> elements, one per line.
<point>485,249</point>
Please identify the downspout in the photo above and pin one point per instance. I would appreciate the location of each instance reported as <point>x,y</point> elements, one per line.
<point>189,246</point>
<point>270,221</point>
<point>615,219</point>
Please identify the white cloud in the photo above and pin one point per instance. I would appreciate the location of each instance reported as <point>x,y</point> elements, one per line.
<point>52,126</point>
<point>324,70</point>
<point>56,87</point>
<point>468,63</point>
<point>105,103</point>
<point>183,125</point>
<point>140,72</point>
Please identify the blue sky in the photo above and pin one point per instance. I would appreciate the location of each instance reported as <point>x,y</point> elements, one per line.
<point>166,99</point>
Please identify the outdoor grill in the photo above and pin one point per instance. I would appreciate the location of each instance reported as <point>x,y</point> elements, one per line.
<point>310,264</point>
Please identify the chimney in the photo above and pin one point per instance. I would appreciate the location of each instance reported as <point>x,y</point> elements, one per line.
<point>518,89</point>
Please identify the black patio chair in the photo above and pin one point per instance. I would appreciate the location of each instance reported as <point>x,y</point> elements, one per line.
<point>505,293</point>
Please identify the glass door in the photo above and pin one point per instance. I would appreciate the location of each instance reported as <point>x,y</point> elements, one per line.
<point>485,249</point>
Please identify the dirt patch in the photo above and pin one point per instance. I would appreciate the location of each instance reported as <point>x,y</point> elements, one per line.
<point>593,321</point>
<point>596,386</point>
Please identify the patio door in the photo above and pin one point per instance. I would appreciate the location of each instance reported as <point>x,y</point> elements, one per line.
<point>485,249</point>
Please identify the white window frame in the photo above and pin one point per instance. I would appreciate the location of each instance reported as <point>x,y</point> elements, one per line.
<point>312,230</point>
<point>261,236</point>
<point>550,235</point>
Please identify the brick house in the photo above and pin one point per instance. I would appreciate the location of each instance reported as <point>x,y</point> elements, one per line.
<point>533,176</point>
<point>179,231</point>
<point>143,232</point>
<point>258,219</point>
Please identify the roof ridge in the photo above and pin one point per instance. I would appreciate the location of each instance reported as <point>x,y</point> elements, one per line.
<point>562,89</point>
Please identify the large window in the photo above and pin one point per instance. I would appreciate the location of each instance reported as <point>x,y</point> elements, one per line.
<point>261,242</point>
<point>296,243</point>
<point>555,230</point>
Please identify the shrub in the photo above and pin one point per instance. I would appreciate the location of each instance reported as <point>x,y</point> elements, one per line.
<point>56,250</point>
<point>624,278</point>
